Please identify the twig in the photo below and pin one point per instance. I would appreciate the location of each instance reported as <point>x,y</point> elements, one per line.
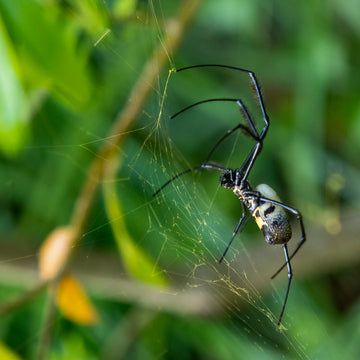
<point>128,330</point>
<point>23,299</point>
<point>128,115</point>
<point>47,326</point>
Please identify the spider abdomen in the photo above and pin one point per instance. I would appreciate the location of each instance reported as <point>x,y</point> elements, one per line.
<point>272,219</point>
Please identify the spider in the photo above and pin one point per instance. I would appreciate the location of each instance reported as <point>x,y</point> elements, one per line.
<point>262,203</point>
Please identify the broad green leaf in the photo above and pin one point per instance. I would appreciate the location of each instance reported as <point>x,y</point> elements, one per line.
<point>136,261</point>
<point>91,15</point>
<point>49,48</point>
<point>13,102</point>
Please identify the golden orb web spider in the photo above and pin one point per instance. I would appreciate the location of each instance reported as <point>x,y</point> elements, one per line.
<point>262,203</point>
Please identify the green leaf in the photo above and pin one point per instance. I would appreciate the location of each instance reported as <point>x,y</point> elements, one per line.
<point>50,52</point>
<point>125,8</point>
<point>13,102</point>
<point>136,261</point>
<point>91,15</point>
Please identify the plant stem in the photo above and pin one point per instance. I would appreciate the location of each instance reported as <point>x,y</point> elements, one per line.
<point>127,116</point>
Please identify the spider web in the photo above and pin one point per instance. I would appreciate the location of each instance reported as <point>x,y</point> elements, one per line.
<point>187,227</point>
<point>188,221</point>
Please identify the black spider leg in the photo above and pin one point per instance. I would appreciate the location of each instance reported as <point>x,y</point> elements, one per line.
<point>254,82</point>
<point>290,274</point>
<point>303,236</point>
<point>243,110</point>
<point>255,195</point>
<point>237,182</point>
<point>249,162</point>
<point>202,166</point>
<point>253,133</point>
<point>206,165</point>
<point>236,230</point>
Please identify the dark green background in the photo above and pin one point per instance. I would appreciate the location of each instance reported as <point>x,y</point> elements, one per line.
<point>65,94</point>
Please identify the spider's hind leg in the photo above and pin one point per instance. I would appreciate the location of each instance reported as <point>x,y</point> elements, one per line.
<point>303,237</point>
<point>289,282</point>
<point>291,210</point>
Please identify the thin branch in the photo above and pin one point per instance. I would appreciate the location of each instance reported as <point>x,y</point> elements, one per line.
<point>47,326</point>
<point>126,117</point>
<point>128,330</point>
<point>23,299</point>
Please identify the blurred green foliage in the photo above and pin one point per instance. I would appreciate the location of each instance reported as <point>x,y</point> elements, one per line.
<point>67,68</point>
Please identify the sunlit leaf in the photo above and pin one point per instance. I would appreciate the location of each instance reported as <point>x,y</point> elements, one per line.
<point>54,252</point>
<point>74,303</point>
<point>51,55</point>
<point>136,261</point>
<point>91,15</point>
<point>125,8</point>
<point>7,354</point>
<point>13,102</point>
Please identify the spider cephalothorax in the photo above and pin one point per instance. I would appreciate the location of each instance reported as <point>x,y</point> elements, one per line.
<point>233,179</point>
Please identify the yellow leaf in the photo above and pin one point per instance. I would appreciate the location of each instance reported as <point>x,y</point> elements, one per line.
<point>74,303</point>
<point>54,252</point>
